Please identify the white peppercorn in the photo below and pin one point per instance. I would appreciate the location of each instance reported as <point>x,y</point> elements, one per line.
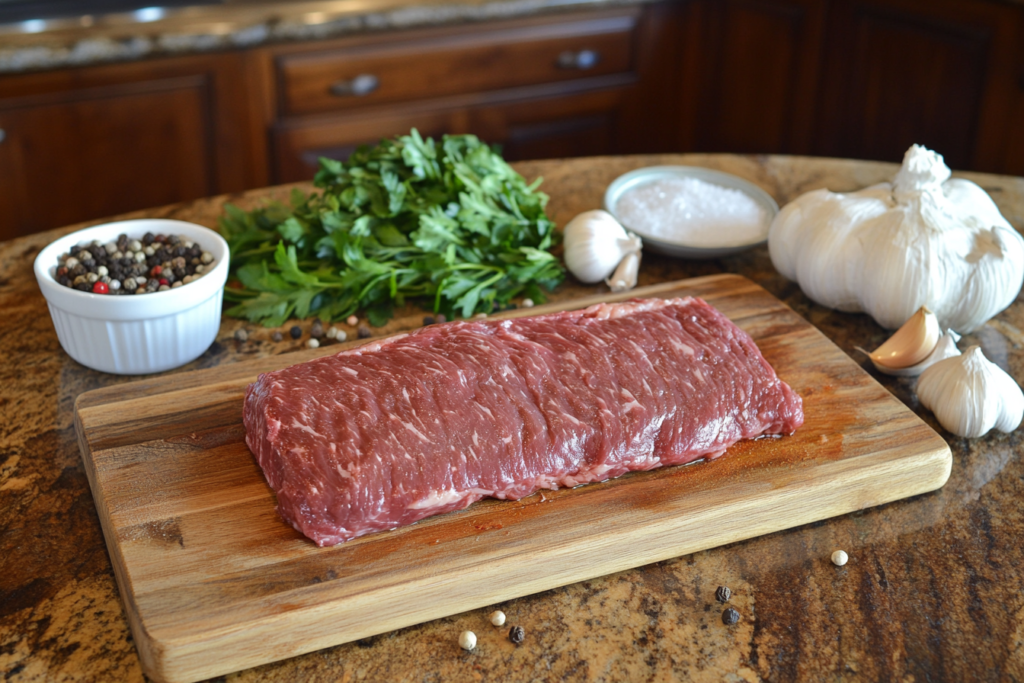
<point>313,343</point>
<point>467,640</point>
<point>497,618</point>
<point>839,558</point>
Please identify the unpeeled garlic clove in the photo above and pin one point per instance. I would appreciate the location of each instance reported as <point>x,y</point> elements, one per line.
<point>911,344</point>
<point>945,348</point>
<point>624,277</point>
<point>971,395</point>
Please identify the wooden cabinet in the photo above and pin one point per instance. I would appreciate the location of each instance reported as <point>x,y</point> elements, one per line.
<point>541,87</point>
<point>87,143</point>
<point>905,71</point>
<point>854,78</point>
<point>849,78</point>
<point>752,68</point>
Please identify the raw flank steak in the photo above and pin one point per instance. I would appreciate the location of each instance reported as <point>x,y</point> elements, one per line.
<point>416,425</point>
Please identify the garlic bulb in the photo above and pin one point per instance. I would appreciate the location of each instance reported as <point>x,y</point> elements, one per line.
<point>944,348</point>
<point>888,250</point>
<point>970,395</point>
<point>595,244</point>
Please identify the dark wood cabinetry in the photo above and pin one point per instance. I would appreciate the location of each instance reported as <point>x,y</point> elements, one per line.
<point>854,78</point>
<point>540,87</point>
<point>848,78</point>
<point>899,72</point>
<point>80,144</point>
<point>752,69</point>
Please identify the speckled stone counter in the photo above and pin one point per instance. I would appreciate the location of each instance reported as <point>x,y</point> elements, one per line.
<point>78,41</point>
<point>932,591</point>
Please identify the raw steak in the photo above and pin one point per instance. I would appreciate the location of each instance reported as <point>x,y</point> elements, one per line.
<point>389,433</point>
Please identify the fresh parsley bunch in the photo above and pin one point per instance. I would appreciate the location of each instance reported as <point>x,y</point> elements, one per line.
<point>451,224</point>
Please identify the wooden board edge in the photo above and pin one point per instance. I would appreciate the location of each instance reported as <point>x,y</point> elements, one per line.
<point>205,655</point>
<point>144,642</point>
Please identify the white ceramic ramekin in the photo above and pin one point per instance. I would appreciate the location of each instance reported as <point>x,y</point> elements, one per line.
<point>142,333</point>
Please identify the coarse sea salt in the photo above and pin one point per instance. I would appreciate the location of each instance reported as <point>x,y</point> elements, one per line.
<point>693,212</point>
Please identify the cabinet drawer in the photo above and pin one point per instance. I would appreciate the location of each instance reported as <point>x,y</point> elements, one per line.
<point>453,62</point>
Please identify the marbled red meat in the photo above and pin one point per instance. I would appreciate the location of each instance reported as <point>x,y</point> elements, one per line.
<point>416,425</point>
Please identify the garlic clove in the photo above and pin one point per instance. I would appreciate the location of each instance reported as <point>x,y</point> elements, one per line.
<point>595,243</point>
<point>945,348</point>
<point>624,277</point>
<point>911,344</point>
<point>970,395</point>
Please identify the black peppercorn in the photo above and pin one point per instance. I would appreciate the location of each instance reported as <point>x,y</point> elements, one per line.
<point>428,320</point>
<point>363,332</point>
<point>516,634</point>
<point>317,330</point>
<point>730,616</point>
<point>277,336</point>
<point>723,594</point>
<point>295,332</point>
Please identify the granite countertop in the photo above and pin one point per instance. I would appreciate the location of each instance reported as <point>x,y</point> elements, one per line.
<point>151,32</point>
<point>932,591</point>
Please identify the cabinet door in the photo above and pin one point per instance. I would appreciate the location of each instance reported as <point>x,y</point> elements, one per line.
<point>913,71</point>
<point>582,125</point>
<point>749,73</point>
<point>530,128</point>
<point>85,144</point>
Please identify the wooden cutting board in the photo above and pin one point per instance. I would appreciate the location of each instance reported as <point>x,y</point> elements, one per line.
<point>214,581</point>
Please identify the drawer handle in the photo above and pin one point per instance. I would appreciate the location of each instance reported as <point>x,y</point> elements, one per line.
<point>3,134</point>
<point>582,60</point>
<point>360,86</point>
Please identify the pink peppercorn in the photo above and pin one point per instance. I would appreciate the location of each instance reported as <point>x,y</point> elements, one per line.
<point>163,280</point>
<point>100,288</point>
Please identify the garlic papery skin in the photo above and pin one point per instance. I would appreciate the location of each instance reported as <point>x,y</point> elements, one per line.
<point>971,395</point>
<point>624,277</point>
<point>887,250</point>
<point>912,342</point>
<point>595,243</point>
<point>945,348</point>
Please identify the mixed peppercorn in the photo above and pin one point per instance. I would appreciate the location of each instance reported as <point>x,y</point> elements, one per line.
<point>155,263</point>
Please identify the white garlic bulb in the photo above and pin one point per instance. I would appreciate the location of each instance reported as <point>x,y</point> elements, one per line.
<point>595,243</point>
<point>922,240</point>
<point>971,395</point>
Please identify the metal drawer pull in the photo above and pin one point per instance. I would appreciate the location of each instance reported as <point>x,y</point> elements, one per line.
<point>3,134</point>
<point>360,86</point>
<point>582,60</point>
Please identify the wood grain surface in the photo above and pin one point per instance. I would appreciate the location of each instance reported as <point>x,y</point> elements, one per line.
<point>214,581</point>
